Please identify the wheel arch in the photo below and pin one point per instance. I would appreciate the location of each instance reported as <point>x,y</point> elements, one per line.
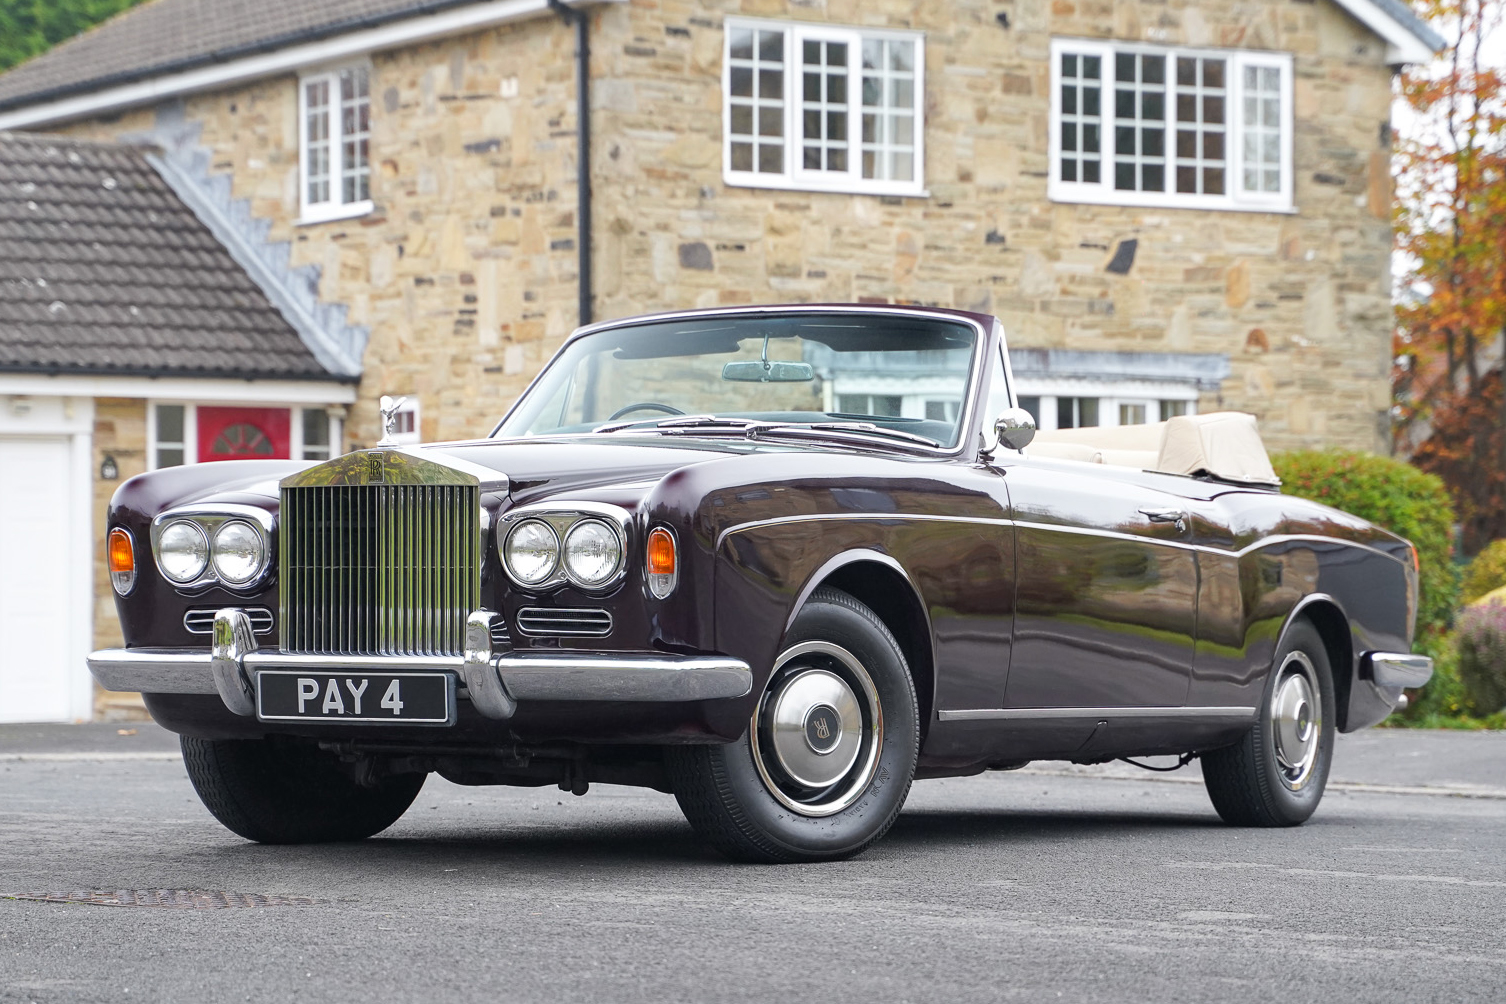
<point>881,583</point>
<point>1327,617</point>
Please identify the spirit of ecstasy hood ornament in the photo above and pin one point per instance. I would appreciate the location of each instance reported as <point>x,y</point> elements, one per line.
<point>390,406</point>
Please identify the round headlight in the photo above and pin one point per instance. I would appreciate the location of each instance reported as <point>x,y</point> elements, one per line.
<point>592,552</point>
<point>532,551</point>
<point>182,551</point>
<point>238,552</point>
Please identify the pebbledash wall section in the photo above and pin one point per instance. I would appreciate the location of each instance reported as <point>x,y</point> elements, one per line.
<point>466,270</point>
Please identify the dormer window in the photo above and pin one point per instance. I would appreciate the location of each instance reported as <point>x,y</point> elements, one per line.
<point>334,143</point>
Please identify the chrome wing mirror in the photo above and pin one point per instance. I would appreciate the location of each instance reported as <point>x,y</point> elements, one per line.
<point>1014,428</point>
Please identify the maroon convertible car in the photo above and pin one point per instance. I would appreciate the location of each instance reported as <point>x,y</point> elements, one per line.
<point>778,561</point>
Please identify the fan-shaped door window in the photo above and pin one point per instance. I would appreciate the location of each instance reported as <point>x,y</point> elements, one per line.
<point>244,433</point>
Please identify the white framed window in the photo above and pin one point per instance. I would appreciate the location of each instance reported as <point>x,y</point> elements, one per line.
<point>334,143</point>
<point>172,432</point>
<point>1080,404</point>
<point>1143,125</point>
<point>823,108</point>
<point>171,439</point>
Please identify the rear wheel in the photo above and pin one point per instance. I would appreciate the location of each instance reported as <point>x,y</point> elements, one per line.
<point>288,793</point>
<point>826,763</point>
<point>1275,776</point>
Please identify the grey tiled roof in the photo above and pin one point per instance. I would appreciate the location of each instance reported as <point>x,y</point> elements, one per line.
<point>163,36</point>
<point>104,270</point>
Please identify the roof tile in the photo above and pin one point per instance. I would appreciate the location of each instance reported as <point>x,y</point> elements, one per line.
<point>120,276</point>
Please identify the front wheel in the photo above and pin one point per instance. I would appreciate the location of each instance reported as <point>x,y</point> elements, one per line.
<point>1275,776</point>
<point>827,760</point>
<point>288,793</point>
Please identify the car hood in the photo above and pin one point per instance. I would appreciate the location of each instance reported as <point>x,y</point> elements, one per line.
<point>527,470</point>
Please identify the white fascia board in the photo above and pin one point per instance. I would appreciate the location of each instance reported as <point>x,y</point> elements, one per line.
<point>179,388</point>
<point>1402,44</point>
<point>289,60</point>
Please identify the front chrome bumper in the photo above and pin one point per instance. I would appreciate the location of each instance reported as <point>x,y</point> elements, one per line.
<point>494,681</point>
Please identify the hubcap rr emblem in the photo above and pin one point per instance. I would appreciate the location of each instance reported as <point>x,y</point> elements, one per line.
<point>823,728</point>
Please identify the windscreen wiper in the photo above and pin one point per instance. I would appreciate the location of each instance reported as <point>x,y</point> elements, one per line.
<point>679,422</point>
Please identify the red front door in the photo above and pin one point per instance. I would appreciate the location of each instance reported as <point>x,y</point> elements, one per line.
<point>243,433</point>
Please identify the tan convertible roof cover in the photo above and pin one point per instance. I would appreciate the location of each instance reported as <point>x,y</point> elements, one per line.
<point>1223,444</point>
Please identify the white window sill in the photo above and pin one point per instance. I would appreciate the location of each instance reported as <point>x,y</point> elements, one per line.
<point>328,214</point>
<point>1154,200</point>
<point>784,184</point>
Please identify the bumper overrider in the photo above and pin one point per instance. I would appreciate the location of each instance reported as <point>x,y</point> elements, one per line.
<point>494,681</point>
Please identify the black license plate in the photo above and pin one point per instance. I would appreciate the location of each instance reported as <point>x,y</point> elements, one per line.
<point>404,698</point>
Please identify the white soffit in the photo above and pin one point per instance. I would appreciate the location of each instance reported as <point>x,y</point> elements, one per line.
<point>1404,44</point>
<point>178,388</point>
<point>289,60</point>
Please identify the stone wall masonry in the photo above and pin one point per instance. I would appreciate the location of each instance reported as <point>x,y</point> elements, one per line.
<point>119,432</point>
<point>466,271</point>
<point>1300,302</point>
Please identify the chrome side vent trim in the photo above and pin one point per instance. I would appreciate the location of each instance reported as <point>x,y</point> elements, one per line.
<point>564,621</point>
<point>379,569</point>
<point>200,620</point>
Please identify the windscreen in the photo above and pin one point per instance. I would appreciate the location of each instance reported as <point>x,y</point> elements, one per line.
<point>896,372</point>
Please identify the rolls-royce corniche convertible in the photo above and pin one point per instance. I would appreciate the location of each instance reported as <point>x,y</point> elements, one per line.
<point>776,561</point>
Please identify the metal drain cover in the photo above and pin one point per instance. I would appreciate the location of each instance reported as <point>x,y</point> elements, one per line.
<point>181,899</point>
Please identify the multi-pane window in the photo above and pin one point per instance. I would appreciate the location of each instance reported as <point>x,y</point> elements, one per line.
<point>822,108</point>
<point>1145,125</point>
<point>335,128</point>
<point>1081,119</point>
<point>316,423</point>
<point>1173,409</point>
<point>1076,412</point>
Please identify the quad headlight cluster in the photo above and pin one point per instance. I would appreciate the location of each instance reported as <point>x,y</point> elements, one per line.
<point>544,548</point>
<point>199,548</point>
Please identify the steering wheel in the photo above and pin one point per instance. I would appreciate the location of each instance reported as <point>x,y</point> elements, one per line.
<point>643,406</point>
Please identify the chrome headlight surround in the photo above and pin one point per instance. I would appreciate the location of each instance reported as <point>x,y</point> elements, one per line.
<point>209,520</point>
<point>562,518</point>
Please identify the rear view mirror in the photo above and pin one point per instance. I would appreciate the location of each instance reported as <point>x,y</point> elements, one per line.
<point>768,371</point>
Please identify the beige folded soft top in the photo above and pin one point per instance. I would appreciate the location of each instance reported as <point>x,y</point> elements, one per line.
<point>1222,444</point>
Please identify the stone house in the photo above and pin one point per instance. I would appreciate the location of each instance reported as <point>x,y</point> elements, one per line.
<point>1171,205</point>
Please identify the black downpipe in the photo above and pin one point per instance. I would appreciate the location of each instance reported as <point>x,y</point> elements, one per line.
<point>582,22</point>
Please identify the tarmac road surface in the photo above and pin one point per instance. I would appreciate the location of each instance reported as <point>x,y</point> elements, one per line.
<point>1051,883</point>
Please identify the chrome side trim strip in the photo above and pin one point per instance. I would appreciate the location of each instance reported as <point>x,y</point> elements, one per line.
<point>1398,669</point>
<point>1238,714</point>
<point>1057,527</point>
<point>758,524</point>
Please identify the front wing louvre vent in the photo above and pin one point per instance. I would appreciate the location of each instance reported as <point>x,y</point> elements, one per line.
<point>379,569</point>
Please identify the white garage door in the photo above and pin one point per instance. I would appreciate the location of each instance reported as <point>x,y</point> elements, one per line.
<point>35,615</point>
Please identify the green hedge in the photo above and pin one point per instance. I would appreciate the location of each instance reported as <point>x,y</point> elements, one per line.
<point>1487,572</point>
<point>1392,494</point>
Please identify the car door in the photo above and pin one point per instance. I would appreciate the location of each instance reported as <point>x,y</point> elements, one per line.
<point>1106,606</point>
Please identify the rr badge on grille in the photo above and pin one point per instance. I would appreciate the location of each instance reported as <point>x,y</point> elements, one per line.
<point>375,469</point>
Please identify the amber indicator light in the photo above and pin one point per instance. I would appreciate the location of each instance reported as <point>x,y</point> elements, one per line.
<point>661,552</point>
<point>122,556</point>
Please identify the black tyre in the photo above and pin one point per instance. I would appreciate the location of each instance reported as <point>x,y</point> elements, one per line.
<point>829,754</point>
<point>1275,776</point>
<point>286,793</point>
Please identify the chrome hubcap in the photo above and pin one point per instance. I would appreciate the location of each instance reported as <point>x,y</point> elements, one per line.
<point>1296,720</point>
<point>817,730</point>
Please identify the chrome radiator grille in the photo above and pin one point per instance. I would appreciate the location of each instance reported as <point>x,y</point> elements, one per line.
<point>379,569</point>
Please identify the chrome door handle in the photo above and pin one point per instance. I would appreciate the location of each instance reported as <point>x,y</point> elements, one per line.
<point>1176,516</point>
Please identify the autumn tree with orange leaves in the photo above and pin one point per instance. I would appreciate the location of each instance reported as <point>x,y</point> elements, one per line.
<point>1451,230</point>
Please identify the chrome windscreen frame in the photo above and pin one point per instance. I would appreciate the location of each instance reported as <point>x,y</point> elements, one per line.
<point>969,421</point>
<point>209,517</point>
